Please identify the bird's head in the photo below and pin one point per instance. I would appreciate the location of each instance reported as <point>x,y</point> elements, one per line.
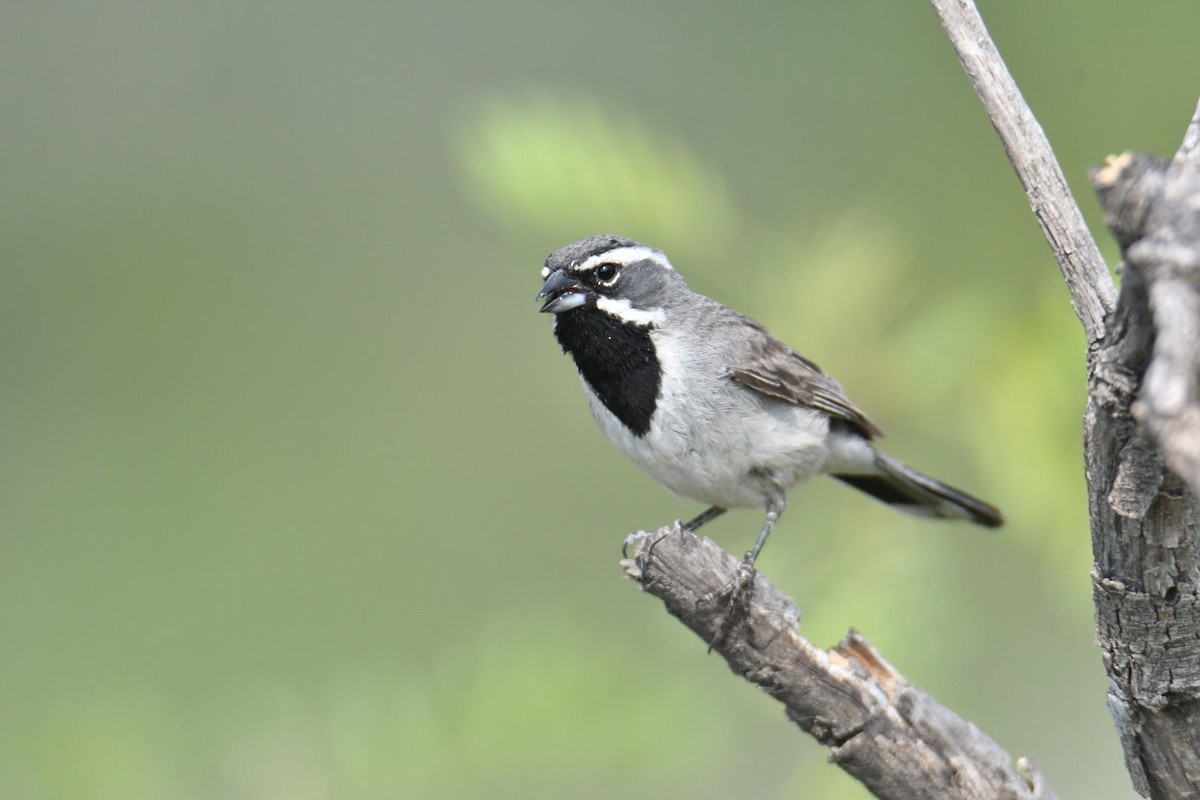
<point>611,275</point>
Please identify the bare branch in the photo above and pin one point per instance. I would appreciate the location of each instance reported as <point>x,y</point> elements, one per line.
<point>1146,347</point>
<point>895,739</point>
<point>1151,206</point>
<point>1170,398</point>
<point>1190,149</point>
<point>1093,292</point>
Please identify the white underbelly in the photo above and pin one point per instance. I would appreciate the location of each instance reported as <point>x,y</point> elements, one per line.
<point>720,443</point>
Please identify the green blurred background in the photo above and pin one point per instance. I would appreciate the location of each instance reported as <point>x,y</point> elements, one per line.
<point>300,499</point>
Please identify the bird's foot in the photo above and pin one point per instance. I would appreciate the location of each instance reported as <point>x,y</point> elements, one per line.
<point>736,594</point>
<point>643,557</point>
<point>630,539</point>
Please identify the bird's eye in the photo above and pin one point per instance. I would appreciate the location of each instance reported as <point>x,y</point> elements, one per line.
<point>607,273</point>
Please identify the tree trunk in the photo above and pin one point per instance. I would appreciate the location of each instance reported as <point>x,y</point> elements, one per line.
<point>1142,426</point>
<point>1142,414</point>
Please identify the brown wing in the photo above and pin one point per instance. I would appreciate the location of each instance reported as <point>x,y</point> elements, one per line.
<point>770,367</point>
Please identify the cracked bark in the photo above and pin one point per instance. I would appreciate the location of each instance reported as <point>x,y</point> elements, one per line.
<point>894,738</point>
<point>1142,454</point>
<point>1142,424</point>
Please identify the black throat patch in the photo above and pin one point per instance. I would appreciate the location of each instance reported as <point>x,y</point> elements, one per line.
<point>618,361</point>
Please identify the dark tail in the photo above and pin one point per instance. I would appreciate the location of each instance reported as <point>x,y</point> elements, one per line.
<point>909,491</point>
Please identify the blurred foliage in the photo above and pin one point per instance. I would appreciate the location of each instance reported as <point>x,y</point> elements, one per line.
<point>548,163</point>
<point>299,498</point>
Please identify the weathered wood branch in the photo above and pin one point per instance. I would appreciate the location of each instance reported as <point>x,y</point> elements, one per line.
<point>894,738</point>
<point>1190,149</point>
<point>1091,286</point>
<point>1153,208</point>
<point>1142,426</point>
<point>1142,452</point>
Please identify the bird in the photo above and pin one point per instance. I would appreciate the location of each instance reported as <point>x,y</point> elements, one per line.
<point>709,403</point>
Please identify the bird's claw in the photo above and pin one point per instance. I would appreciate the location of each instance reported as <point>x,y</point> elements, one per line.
<point>738,592</point>
<point>643,558</point>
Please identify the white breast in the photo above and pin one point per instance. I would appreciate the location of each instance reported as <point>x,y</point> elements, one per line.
<point>714,440</point>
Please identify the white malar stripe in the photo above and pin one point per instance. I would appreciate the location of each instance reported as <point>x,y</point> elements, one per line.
<point>621,309</point>
<point>624,256</point>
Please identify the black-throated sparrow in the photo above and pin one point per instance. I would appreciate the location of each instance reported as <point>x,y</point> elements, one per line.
<point>708,402</point>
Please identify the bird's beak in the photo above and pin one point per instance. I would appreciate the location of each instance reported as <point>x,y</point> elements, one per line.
<point>562,292</point>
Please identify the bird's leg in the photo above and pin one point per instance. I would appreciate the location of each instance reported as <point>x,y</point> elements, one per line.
<point>775,506</point>
<point>702,518</point>
<point>743,577</point>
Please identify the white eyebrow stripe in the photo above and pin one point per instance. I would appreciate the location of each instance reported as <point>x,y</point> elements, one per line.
<point>621,309</point>
<point>624,256</point>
